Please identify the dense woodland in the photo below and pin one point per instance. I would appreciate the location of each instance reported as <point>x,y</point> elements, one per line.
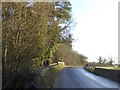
<point>32,37</point>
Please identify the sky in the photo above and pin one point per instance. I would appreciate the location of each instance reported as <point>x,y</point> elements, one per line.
<point>96,28</point>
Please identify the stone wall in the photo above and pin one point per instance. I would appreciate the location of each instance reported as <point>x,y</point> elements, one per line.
<point>111,74</point>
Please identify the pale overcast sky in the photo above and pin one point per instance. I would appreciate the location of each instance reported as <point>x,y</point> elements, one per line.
<point>96,30</point>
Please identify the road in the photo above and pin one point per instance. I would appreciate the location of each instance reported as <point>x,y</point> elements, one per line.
<point>78,77</point>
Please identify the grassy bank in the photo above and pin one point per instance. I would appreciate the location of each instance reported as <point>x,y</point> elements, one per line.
<point>110,68</point>
<point>92,69</point>
<point>47,81</point>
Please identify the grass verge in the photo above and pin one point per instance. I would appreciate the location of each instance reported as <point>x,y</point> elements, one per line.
<point>47,81</point>
<point>110,68</point>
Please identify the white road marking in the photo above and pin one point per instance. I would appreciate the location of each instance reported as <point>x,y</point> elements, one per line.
<point>90,76</point>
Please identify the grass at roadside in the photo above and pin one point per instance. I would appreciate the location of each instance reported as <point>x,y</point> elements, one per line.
<point>92,69</point>
<point>59,68</point>
<point>47,81</point>
<point>110,68</point>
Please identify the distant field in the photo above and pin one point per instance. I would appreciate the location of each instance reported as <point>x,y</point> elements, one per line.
<point>110,68</point>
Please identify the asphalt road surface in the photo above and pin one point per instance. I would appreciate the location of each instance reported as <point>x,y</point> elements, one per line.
<point>78,77</point>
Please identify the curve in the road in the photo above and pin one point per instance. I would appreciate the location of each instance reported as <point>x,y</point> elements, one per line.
<point>78,77</point>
